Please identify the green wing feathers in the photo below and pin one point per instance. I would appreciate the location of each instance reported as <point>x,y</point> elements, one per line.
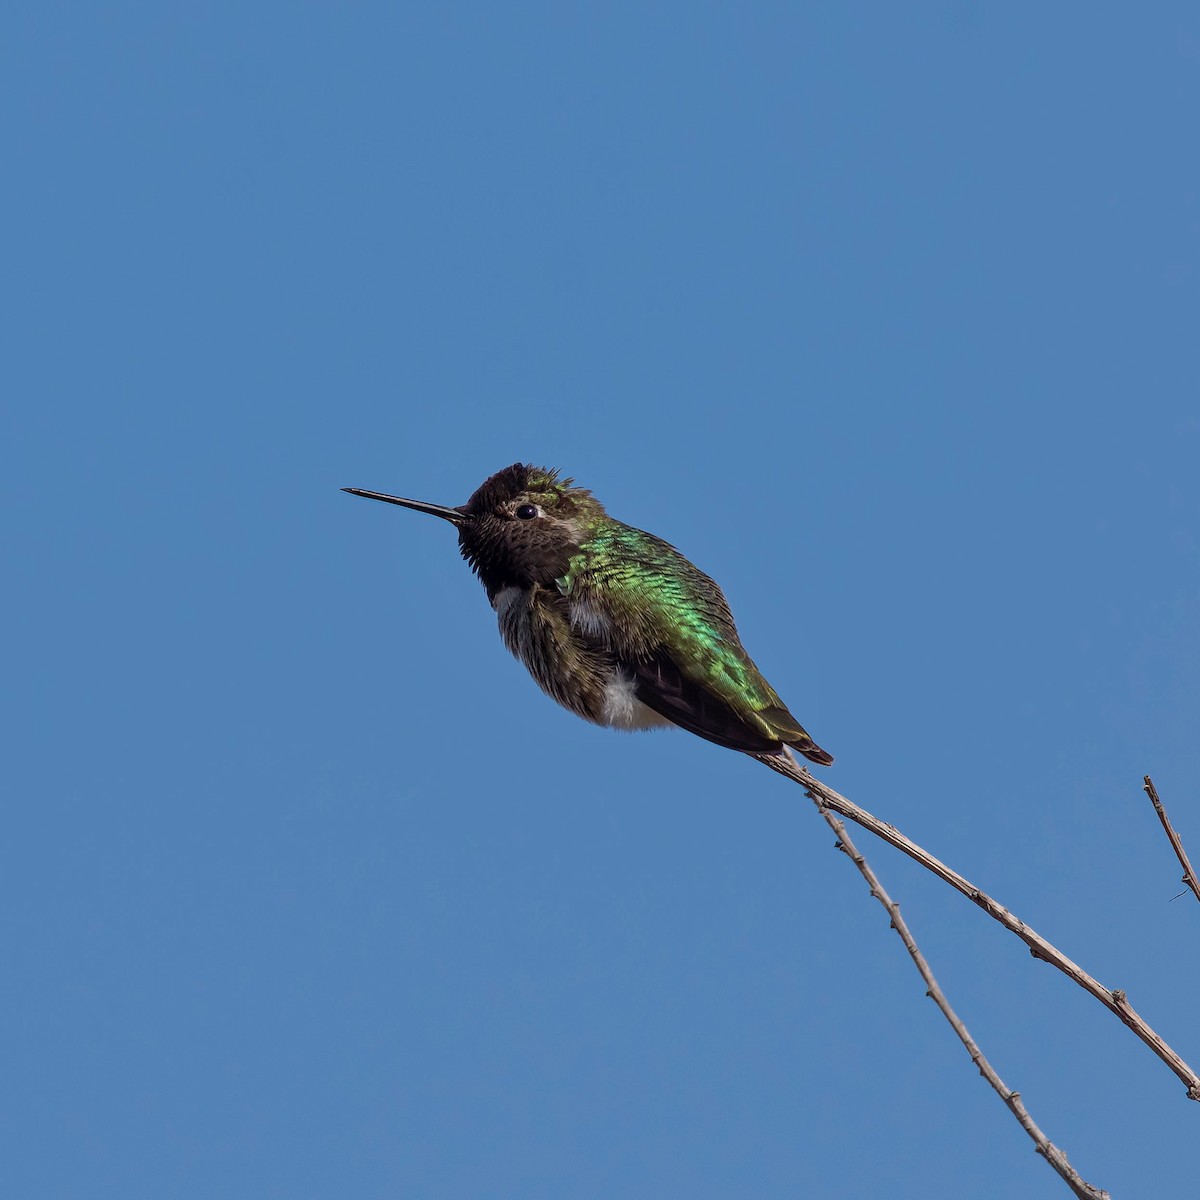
<point>668,623</point>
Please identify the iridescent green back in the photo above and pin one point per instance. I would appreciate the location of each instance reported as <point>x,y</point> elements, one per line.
<point>662,615</point>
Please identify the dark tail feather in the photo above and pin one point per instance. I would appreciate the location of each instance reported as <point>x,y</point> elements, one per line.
<point>789,731</point>
<point>812,751</point>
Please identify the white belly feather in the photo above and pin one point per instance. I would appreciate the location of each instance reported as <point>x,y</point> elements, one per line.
<point>621,709</point>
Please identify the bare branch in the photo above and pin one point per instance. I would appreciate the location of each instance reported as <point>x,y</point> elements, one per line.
<point>1115,1001</point>
<point>1052,1154</point>
<point>1189,875</point>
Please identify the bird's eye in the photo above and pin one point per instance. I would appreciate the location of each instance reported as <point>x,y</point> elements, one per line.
<point>527,512</point>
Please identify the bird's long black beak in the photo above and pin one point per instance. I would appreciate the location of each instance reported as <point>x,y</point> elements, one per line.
<point>454,515</point>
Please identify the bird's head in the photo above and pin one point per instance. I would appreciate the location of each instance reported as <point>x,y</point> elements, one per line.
<point>519,528</point>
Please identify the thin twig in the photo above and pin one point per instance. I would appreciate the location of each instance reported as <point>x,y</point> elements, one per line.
<point>1045,1147</point>
<point>1114,1000</point>
<point>1189,875</point>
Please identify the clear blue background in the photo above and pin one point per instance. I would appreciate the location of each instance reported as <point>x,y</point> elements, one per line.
<point>885,315</point>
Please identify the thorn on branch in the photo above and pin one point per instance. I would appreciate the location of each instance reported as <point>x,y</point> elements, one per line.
<point>1189,874</point>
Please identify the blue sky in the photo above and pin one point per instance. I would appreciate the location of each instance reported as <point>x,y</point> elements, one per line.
<point>885,315</point>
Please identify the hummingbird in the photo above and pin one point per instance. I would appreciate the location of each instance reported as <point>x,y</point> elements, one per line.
<point>612,622</point>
